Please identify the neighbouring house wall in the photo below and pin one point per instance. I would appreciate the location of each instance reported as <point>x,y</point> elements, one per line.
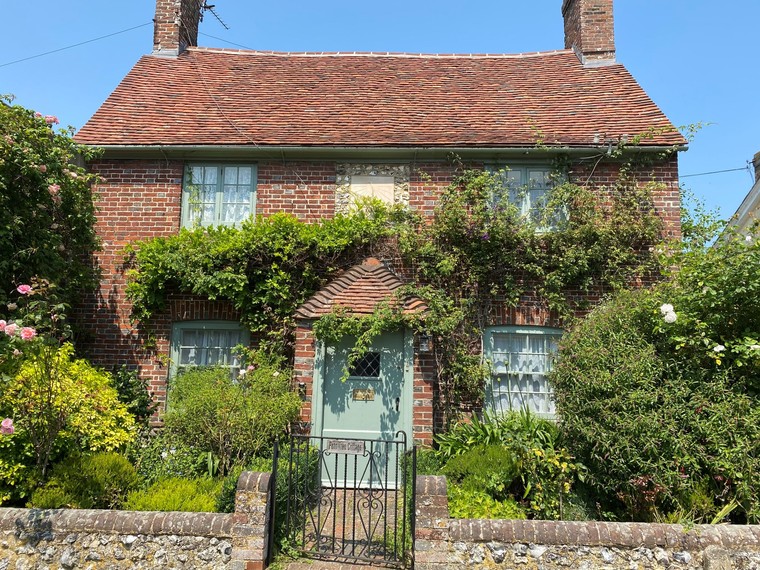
<point>141,199</point>
<point>442,543</point>
<point>95,539</point>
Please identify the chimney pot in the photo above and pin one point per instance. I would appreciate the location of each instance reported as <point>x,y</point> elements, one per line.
<point>590,30</point>
<point>175,27</point>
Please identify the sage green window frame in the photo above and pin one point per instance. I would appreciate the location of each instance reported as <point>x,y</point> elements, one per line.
<point>206,328</point>
<point>192,216</point>
<point>528,195</point>
<point>520,359</point>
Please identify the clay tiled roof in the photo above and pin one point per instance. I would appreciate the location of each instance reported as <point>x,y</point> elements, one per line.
<point>360,290</point>
<point>222,97</point>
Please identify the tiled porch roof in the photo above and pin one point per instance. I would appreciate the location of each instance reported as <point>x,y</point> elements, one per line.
<point>359,290</point>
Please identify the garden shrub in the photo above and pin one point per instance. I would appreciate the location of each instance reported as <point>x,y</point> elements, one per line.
<point>657,390</point>
<point>60,404</point>
<point>133,393</point>
<point>161,456</point>
<point>526,446</point>
<point>97,481</point>
<point>233,419</point>
<point>177,494</point>
<point>471,503</point>
<point>48,225</point>
<point>514,429</point>
<point>428,462</point>
<point>489,468</point>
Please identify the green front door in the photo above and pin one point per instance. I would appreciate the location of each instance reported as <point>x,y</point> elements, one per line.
<point>373,404</point>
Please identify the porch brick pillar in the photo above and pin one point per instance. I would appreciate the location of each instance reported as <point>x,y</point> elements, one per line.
<point>250,530</point>
<point>431,530</point>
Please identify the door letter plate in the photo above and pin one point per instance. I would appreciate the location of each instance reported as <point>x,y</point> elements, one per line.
<point>364,395</point>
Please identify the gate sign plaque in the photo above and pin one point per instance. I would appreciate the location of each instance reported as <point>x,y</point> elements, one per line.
<point>347,446</point>
<point>364,395</point>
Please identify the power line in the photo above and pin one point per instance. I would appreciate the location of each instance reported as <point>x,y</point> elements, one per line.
<point>225,41</point>
<point>715,172</point>
<point>76,45</point>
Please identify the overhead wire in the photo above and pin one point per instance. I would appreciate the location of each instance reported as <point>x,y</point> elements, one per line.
<point>715,172</point>
<point>76,44</point>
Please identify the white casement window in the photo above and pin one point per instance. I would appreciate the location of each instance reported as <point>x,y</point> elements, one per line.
<point>528,188</point>
<point>520,359</point>
<point>207,343</point>
<point>218,194</point>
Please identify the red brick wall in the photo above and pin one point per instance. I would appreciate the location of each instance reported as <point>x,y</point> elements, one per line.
<point>141,199</point>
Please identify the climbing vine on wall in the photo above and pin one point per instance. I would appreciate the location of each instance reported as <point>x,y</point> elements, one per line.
<point>478,250</point>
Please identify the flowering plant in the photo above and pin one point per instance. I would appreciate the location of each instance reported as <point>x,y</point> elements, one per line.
<point>47,227</point>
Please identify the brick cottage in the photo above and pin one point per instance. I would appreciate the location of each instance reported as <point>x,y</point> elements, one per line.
<point>255,133</point>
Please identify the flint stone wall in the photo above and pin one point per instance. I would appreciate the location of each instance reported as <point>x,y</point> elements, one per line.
<point>35,539</point>
<point>443,543</point>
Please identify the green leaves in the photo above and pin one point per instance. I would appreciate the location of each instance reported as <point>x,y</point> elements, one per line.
<point>657,390</point>
<point>48,224</point>
<point>267,268</point>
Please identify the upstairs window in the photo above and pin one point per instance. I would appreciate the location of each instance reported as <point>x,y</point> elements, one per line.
<point>221,194</point>
<point>521,359</point>
<point>528,188</point>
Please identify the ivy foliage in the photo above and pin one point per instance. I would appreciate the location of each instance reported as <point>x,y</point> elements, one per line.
<point>47,228</point>
<point>478,250</point>
<point>267,267</point>
<point>657,389</point>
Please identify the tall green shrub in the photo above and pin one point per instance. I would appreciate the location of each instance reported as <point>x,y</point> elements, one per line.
<point>233,418</point>
<point>657,390</point>
<point>47,227</point>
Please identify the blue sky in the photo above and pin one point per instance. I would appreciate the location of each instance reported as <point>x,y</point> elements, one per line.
<point>695,58</point>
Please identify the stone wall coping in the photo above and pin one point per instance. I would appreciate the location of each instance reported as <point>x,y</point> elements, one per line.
<point>609,534</point>
<point>217,525</point>
<point>254,481</point>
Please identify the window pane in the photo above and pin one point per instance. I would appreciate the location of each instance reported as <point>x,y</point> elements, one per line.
<point>210,347</point>
<point>218,194</point>
<point>368,366</point>
<point>236,195</point>
<point>520,361</point>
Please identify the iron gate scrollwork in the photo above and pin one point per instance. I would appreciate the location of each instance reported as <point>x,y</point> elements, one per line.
<point>347,499</point>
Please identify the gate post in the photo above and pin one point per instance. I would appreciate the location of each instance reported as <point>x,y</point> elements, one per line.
<point>431,525</point>
<point>250,530</point>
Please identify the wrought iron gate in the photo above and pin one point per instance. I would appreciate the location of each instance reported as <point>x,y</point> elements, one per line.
<point>346,499</point>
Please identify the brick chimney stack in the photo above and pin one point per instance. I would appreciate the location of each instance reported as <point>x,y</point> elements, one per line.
<point>756,166</point>
<point>175,26</point>
<point>590,30</point>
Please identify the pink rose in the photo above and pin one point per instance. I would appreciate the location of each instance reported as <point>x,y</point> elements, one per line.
<point>54,189</point>
<point>51,119</point>
<point>28,333</point>
<point>6,427</point>
<point>24,289</point>
<point>38,114</point>
<point>2,325</point>
<point>11,329</point>
<point>42,168</point>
